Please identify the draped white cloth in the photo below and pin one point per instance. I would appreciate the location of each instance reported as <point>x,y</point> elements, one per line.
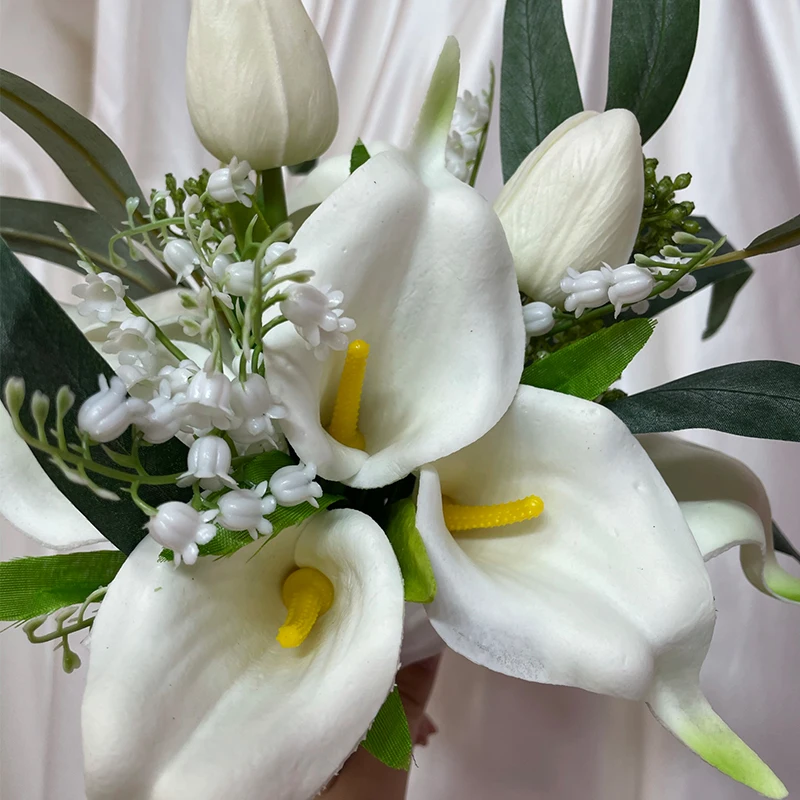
<point>736,129</point>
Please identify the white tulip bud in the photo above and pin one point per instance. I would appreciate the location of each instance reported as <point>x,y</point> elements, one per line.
<point>575,201</point>
<point>258,82</point>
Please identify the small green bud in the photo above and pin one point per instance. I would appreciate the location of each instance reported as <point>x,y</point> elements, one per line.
<point>40,407</point>
<point>691,226</point>
<point>676,214</point>
<point>15,395</point>
<point>682,181</point>
<point>65,399</point>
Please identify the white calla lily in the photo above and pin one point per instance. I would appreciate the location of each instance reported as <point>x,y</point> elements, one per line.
<point>32,502</point>
<point>190,695</point>
<point>324,179</point>
<point>725,505</point>
<point>427,275</point>
<point>606,590</point>
<point>575,201</point>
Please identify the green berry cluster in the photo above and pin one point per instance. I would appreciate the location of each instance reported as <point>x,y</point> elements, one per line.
<point>661,215</point>
<point>214,212</point>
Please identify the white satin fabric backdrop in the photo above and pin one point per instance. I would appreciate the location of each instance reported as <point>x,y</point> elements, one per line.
<point>736,128</point>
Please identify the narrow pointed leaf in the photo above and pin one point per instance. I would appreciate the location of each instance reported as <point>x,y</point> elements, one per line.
<point>781,237</point>
<point>359,156</point>
<point>93,164</point>
<point>419,581</point>
<point>652,45</point>
<point>30,587</point>
<point>782,543</point>
<point>39,343</point>
<point>589,366</point>
<point>752,398</point>
<point>389,738</point>
<point>538,85</point>
<point>28,226</point>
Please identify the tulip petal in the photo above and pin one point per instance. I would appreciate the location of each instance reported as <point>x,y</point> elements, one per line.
<point>684,711</point>
<point>606,590</point>
<point>725,505</point>
<point>427,275</point>
<point>30,501</point>
<point>189,694</point>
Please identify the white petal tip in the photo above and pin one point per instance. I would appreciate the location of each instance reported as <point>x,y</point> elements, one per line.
<point>684,711</point>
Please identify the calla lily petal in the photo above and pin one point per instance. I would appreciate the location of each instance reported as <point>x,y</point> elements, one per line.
<point>32,502</point>
<point>190,695</point>
<point>725,505</point>
<point>606,590</point>
<point>427,275</point>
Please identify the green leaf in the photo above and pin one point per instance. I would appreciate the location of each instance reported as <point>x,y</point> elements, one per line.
<point>39,343</point>
<point>752,398</point>
<point>726,281</point>
<point>30,587</point>
<point>419,581</point>
<point>261,468</point>
<point>781,237</point>
<point>303,168</point>
<point>538,83</point>
<point>587,368</point>
<point>782,544</point>
<point>359,156</point>
<point>389,738</point>
<point>93,164</point>
<point>28,226</point>
<point>652,45</point>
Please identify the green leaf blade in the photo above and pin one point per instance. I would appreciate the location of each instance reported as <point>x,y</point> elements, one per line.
<point>781,237</point>
<point>39,343</point>
<point>92,163</point>
<point>652,46</point>
<point>588,367</point>
<point>30,587</point>
<point>419,582</point>
<point>760,399</point>
<point>359,156</point>
<point>389,738</point>
<point>28,226</point>
<point>538,85</point>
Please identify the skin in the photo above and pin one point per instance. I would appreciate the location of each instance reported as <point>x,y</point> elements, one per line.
<point>364,777</point>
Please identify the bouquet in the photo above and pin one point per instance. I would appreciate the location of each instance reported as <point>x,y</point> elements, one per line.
<point>328,435</point>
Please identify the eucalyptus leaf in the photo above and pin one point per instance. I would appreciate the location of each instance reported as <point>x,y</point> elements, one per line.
<point>39,343</point>
<point>93,164</point>
<point>28,226</point>
<point>419,582</point>
<point>359,156</point>
<point>782,544</point>
<point>751,398</point>
<point>781,237</point>
<point>30,587</point>
<point>538,86</point>
<point>588,367</point>
<point>652,45</point>
<point>389,738</point>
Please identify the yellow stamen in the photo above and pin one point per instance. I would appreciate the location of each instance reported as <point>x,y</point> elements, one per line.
<point>344,422</point>
<point>467,518</point>
<point>307,595</point>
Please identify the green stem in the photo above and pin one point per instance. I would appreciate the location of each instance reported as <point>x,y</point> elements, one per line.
<point>273,195</point>
<point>160,335</point>
<point>485,135</point>
<point>61,633</point>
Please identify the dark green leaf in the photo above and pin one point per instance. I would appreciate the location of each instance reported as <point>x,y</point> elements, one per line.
<point>782,544</point>
<point>652,45</point>
<point>303,168</point>
<point>359,156</point>
<point>28,226</point>
<point>297,218</point>
<point>261,468</point>
<point>419,581</point>
<point>30,587</point>
<point>587,368</point>
<point>538,85</point>
<point>39,343</point>
<point>93,164</point>
<point>752,398</point>
<point>389,738</point>
<point>779,238</point>
<point>725,279</point>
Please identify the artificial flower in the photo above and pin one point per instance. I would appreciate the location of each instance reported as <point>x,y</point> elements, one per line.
<point>258,82</point>
<point>538,318</point>
<point>209,462</point>
<point>231,184</point>
<point>606,590</point>
<point>109,413</point>
<point>101,296</point>
<point>181,528</point>
<point>434,297</point>
<point>575,201</point>
<point>246,510</point>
